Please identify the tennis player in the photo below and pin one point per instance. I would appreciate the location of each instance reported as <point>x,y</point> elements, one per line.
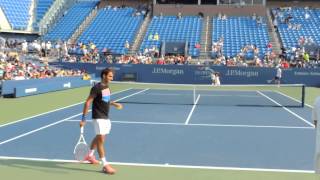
<point>316,118</point>
<point>213,78</point>
<point>277,78</point>
<point>217,79</point>
<point>99,97</point>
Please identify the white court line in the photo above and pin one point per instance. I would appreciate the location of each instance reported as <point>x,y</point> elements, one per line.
<point>52,111</point>
<point>206,95</point>
<point>38,129</point>
<point>204,125</point>
<point>291,112</point>
<point>293,99</point>
<point>163,165</point>
<point>131,95</point>
<point>222,95</point>
<point>52,124</point>
<point>191,112</point>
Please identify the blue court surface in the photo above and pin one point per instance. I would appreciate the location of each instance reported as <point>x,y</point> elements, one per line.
<point>166,128</point>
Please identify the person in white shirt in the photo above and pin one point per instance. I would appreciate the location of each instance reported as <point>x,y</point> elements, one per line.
<point>25,47</point>
<point>277,78</point>
<point>306,15</point>
<point>217,80</point>
<point>316,118</point>
<point>213,78</point>
<point>48,48</point>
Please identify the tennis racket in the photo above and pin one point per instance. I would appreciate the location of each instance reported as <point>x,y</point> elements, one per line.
<point>81,149</point>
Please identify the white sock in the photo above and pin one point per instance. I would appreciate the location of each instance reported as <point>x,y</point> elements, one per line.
<point>91,152</point>
<point>104,161</point>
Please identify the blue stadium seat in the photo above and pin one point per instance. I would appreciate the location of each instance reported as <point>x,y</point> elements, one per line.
<point>66,26</point>
<point>42,7</point>
<point>169,28</point>
<point>309,27</point>
<point>17,13</point>
<point>112,28</point>
<point>238,32</point>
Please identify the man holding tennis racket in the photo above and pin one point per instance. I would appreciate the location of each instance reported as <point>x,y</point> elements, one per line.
<point>100,98</point>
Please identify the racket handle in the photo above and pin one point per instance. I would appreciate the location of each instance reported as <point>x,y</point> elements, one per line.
<point>81,130</point>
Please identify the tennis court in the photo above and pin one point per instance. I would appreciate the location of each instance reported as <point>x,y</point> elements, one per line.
<point>257,128</point>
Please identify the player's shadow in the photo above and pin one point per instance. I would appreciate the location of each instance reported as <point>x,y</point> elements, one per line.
<point>50,167</point>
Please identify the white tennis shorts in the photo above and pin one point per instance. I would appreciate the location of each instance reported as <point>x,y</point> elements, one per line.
<point>101,126</point>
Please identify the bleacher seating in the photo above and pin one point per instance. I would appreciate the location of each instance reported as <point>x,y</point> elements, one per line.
<point>112,28</point>
<point>170,28</point>
<point>17,12</point>
<point>239,32</point>
<point>67,25</point>
<point>42,7</point>
<point>309,27</point>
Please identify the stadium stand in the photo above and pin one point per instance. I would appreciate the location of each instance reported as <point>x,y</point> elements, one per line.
<point>239,32</point>
<point>17,13</point>
<point>170,28</point>
<point>66,26</point>
<point>111,28</point>
<point>295,23</point>
<point>42,7</point>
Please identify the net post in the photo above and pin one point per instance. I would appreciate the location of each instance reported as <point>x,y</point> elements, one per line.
<point>303,95</point>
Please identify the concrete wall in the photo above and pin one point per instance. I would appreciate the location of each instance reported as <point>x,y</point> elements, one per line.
<point>4,21</point>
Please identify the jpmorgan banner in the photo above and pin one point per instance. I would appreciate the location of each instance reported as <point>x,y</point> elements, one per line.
<point>195,74</point>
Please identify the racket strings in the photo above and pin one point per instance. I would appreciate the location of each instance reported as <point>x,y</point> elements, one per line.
<point>80,151</point>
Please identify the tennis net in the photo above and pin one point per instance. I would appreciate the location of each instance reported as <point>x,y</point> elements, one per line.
<point>291,95</point>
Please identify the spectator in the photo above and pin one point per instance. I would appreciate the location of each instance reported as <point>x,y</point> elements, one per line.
<point>224,17</point>
<point>306,58</point>
<point>254,16</point>
<point>24,47</point>
<point>259,20</point>
<point>306,15</point>
<point>86,76</point>
<point>48,48</point>
<point>219,16</point>
<point>127,45</point>
<point>150,37</point>
<point>156,37</point>
<point>197,45</point>
<point>179,16</point>
<point>275,24</point>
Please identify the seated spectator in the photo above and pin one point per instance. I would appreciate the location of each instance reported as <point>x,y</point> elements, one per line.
<point>179,16</point>
<point>219,16</point>
<point>259,20</point>
<point>224,17</point>
<point>86,76</point>
<point>285,64</point>
<point>156,37</point>
<point>127,45</point>
<point>254,16</point>
<point>160,61</point>
<point>150,37</point>
<point>306,15</point>
<point>197,45</point>
<point>306,58</point>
